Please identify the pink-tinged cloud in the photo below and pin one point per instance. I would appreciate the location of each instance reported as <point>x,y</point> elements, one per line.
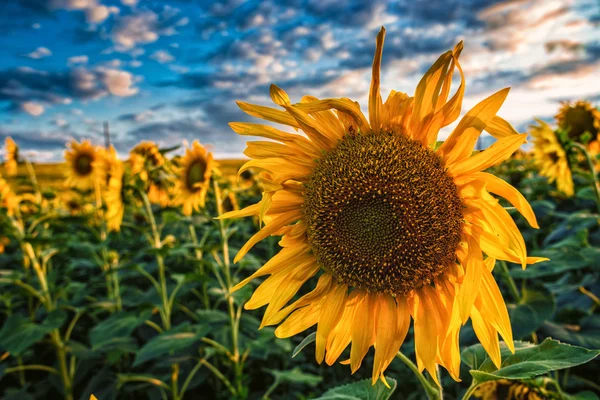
<point>118,83</point>
<point>32,108</point>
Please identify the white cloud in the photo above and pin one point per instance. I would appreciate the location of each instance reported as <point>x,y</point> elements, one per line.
<point>38,53</point>
<point>162,56</point>
<point>129,3</point>
<point>95,15</point>
<point>134,29</point>
<point>32,108</point>
<point>118,83</point>
<point>36,26</point>
<point>77,60</point>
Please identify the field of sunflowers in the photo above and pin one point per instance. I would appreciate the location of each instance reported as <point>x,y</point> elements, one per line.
<point>395,263</point>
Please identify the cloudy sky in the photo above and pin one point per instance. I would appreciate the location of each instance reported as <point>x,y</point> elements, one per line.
<point>171,71</point>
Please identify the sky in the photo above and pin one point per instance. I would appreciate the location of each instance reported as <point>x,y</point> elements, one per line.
<point>171,71</point>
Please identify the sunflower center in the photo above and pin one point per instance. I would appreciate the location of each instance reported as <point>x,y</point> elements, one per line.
<point>382,214</point>
<point>195,174</point>
<point>83,164</point>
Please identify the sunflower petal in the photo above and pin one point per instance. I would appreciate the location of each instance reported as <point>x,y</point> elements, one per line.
<point>375,105</point>
<point>330,316</point>
<point>363,330</point>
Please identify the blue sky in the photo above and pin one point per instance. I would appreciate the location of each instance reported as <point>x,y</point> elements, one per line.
<point>171,71</point>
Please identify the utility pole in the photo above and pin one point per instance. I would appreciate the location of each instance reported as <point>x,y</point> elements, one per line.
<point>106,135</point>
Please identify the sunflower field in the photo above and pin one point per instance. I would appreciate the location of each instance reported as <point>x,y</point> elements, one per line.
<point>354,256</point>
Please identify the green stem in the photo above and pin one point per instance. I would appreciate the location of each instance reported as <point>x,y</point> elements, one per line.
<point>511,282</point>
<point>431,391</point>
<point>219,375</point>
<point>591,166</point>
<point>21,368</point>
<point>189,378</point>
<point>470,391</point>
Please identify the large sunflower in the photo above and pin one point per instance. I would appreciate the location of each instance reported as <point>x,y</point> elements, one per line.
<point>145,157</point>
<point>81,159</point>
<point>194,178</point>
<point>551,158</point>
<point>8,199</point>
<point>393,229</point>
<point>11,156</point>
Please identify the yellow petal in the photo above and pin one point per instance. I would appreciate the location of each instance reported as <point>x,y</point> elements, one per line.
<point>244,212</point>
<point>487,336</point>
<point>495,154</point>
<point>469,288</point>
<point>386,332</point>
<point>314,296</point>
<point>282,220</point>
<point>248,129</point>
<point>499,128</point>
<point>286,290</point>
<point>344,105</point>
<point>279,96</point>
<point>363,330</point>
<point>426,331</point>
<point>374,95</point>
<point>341,335</point>
<point>494,308</point>
<point>300,320</point>
<point>268,113</point>
<point>286,256</point>
<point>327,118</point>
<point>330,316</point>
<point>501,188</point>
<point>461,141</point>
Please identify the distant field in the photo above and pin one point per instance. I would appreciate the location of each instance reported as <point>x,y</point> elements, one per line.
<point>52,175</point>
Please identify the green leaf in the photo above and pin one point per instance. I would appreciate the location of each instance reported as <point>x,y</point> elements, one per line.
<point>561,260</point>
<point>528,361</point>
<point>535,307</point>
<point>213,317</point>
<point>116,328</point>
<point>167,343</point>
<point>307,340</point>
<point>19,333</point>
<point>295,375</point>
<point>362,390</point>
<point>585,334</point>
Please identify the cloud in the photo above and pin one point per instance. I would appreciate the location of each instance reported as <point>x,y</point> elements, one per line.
<point>38,53</point>
<point>77,60</point>
<point>136,117</point>
<point>24,84</point>
<point>32,108</point>
<point>140,28</point>
<point>95,12</point>
<point>118,83</point>
<point>162,56</point>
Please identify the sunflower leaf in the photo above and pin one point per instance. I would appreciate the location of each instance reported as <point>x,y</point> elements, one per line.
<point>528,361</point>
<point>362,390</point>
<point>305,342</point>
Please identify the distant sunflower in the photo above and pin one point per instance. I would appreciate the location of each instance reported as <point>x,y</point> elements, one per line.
<point>229,202</point>
<point>11,156</point>
<point>105,161</point>
<point>113,195</point>
<point>158,192</point>
<point>551,158</point>
<point>4,241</point>
<point>81,160</point>
<point>579,118</point>
<point>8,199</point>
<point>393,228</point>
<point>145,157</point>
<point>194,178</point>
<point>511,390</point>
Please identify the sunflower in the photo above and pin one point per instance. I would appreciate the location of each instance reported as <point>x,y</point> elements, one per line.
<point>82,160</point>
<point>512,390</point>
<point>551,158</point>
<point>194,178</point>
<point>393,229</point>
<point>11,151</point>
<point>158,192</point>
<point>8,199</point>
<point>145,157</point>
<point>113,195</point>
<point>104,164</point>
<point>229,202</point>
<point>579,118</point>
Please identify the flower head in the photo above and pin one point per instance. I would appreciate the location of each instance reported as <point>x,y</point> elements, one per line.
<point>394,227</point>
<point>11,151</point>
<point>81,160</point>
<point>194,178</point>
<point>551,157</point>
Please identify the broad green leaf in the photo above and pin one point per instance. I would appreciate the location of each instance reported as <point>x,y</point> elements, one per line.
<point>585,334</point>
<point>362,390</point>
<point>116,328</point>
<point>307,340</point>
<point>528,361</point>
<point>535,307</point>
<point>573,224</point>
<point>18,333</point>
<point>295,375</point>
<point>561,260</point>
<point>170,342</point>
<point>212,317</point>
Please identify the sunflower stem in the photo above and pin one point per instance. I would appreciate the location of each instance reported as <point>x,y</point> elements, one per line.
<point>511,282</point>
<point>431,391</point>
<point>591,166</point>
<point>470,391</point>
